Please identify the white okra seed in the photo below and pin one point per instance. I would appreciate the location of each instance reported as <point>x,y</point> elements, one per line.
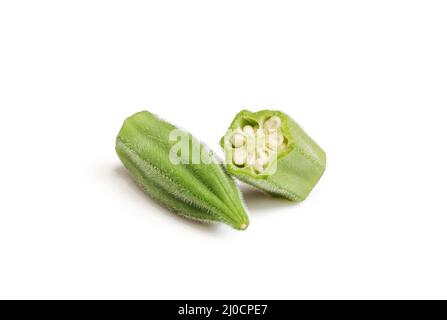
<point>249,131</point>
<point>273,123</point>
<point>280,138</point>
<point>238,140</point>
<point>263,157</point>
<point>259,167</point>
<point>239,156</point>
<point>272,141</point>
<point>275,140</point>
<point>251,159</point>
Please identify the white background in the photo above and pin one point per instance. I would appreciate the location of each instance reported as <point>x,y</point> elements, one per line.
<point>366,79</point>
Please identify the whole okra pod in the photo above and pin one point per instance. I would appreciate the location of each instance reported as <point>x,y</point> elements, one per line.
<point>179,171</point>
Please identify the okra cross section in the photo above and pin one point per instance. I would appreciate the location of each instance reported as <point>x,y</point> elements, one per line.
<point>270,151</point>
<point>179,171</point>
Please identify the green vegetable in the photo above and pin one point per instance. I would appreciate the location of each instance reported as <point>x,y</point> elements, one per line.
<point>177,170</point>
<point>270,151</point>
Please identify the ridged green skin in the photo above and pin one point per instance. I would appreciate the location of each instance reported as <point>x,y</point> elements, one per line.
<point>299,167</point>
<point>202,192</point>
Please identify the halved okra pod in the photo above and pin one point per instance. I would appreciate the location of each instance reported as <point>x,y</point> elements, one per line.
<point>270,151</point>
<point>177,170</point>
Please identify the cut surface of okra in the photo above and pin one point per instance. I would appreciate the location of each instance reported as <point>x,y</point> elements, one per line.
<point>270,151</point>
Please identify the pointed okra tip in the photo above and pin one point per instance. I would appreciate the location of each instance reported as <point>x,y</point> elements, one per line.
<point>243,226</point>
<point>240,226</point>
<point>237,218</point>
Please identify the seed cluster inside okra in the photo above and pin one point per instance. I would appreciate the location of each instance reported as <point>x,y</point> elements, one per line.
<point>256,144</point>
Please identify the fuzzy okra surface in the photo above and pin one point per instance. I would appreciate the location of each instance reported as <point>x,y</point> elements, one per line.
<point>196,187</point>
<point>270,151</point>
